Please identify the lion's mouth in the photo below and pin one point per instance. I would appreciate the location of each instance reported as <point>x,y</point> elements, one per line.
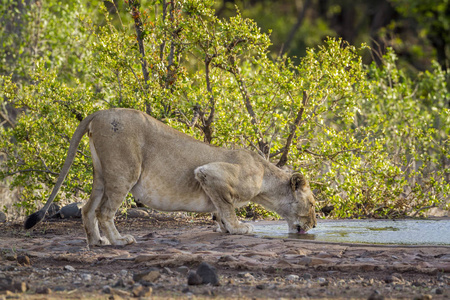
<point>300,230</point>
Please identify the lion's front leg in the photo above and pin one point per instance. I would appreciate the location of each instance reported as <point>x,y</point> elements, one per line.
<point>217,189</point>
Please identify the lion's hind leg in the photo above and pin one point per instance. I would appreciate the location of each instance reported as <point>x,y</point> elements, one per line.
<point>90,221</point>
<point>106,211</point>
<point>216,184</point>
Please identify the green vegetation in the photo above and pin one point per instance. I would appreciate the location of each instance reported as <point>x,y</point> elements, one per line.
<point>372,139</point>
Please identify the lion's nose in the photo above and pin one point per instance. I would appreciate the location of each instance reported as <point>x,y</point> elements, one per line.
<point>314,226</point>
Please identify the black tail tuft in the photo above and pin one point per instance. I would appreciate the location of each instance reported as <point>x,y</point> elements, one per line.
<point>33,219</point>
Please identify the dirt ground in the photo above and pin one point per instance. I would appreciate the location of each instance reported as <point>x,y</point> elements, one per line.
<point>53,262</point>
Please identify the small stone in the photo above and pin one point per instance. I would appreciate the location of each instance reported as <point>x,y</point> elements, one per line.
<point>208,274</point>
<point>69,268</point>
<point>439,291</point>
<point>182,270</point>
<point>151,275</point>
<point>423,297</point>
<point>106,289</point>
<point>307,276</point>
<point>292,277</point>
<point>141,291</point>
<point>376,295</point>
<point>86,277</point>
<point>43,290</point>
<point>194,278</point>
<point>136,213</point>
<point>11,256</point>
<point>322,281</point>
<point>392,279</point>
<point>5,284</point>
<point>120,293</point>
<point>119,283</point>
<point>123,273</point>
<point>23,260</point>
<point>20,287</point>
<point>2,217</point>
<point>260,286</point>
<point>323,254</point>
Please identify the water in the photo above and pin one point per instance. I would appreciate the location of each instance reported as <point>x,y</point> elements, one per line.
<point>404,232</point>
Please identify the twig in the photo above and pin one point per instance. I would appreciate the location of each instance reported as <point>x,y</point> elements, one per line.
<point>423,208</point>
<point>32,170</point>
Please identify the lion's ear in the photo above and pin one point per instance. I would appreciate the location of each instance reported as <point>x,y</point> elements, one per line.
<point>298,181</point>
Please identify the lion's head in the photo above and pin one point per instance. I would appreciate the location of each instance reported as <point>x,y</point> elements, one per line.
<point>300,213</point>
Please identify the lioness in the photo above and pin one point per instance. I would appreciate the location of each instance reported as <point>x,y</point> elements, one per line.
<point>171,171</point>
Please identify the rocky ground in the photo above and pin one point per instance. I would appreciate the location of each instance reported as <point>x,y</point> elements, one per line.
<point>181,257</point>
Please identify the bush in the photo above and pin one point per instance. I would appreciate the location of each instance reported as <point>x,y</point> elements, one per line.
<point>372,141</point>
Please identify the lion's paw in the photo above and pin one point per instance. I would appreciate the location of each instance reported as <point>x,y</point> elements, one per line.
<point>242,228</point>
<point>125,240</point>
<point>102,241</point>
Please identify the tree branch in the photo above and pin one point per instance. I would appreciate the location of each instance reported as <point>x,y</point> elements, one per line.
<point>293,128</point>
<point>136,14</point>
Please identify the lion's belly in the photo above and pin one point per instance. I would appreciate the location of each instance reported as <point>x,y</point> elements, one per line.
<point>167,199</point>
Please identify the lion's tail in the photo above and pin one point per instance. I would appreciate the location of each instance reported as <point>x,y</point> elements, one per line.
<point>37,217</point>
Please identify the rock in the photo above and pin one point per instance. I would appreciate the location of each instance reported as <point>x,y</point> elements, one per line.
<point>307,276</point>
<point>43,290</point>
<point>182,270</point>
<point>141,291</point>
<point>323,254</point>
<point>136,213</point>
<point>119,283</point>
<point>23,260</point>
<point>69,268</point>
<point>11,256</point>
<point>5,284</point>
<point>86,277</point>
<point>292,277</point>
<point>19,287</point>
<point>322,281</point>
<point>194,278</point>
<point>150,275</point>
<point>376,295</point>
<point>53,209</point>
<point>106,289</point>
<point>123,273</point>
<point>423,297</point>
<point>208,274</point>
<point>73,210</point>
<point>392,279</point>
<point>2,217</point>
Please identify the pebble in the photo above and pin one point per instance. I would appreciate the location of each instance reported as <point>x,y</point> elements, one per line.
<point>292,277</point>
<point>141,291</point>
<point>376,295</point>
<point>86,277</point>
<point>307,276</point>
<point>322,281</point>
<point>182,270</point>
<point>208,274</point>
<point>123,273</point>
<point>136,213</point>
<point>43,290</point>
<point>23,260</point>
<point>69,268</point>
<point>194,278</point>
<point>2,217</point>
<point>150,275</point>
